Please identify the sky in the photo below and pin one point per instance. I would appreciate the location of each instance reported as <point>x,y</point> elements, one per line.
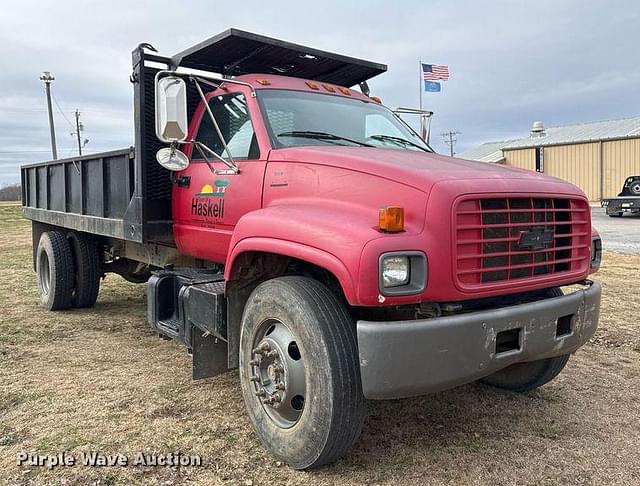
<point>511,62</point>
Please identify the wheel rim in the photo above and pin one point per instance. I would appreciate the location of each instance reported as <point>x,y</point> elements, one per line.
<point>277,373</point>
<point>44,275</point>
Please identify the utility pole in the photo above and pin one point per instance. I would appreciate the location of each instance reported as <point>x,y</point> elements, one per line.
<point>47,78</point>
<point>79,127</point>
<point>450,138</point>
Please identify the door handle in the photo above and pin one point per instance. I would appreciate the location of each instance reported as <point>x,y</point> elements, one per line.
<point>183,181</point>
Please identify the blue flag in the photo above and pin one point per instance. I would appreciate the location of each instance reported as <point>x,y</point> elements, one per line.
<point>431,86</point>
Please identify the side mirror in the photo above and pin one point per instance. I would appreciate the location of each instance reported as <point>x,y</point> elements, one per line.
<point>172,159</point>
<point>171,109</point>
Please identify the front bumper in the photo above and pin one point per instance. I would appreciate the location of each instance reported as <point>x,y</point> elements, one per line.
<point>408,358</point>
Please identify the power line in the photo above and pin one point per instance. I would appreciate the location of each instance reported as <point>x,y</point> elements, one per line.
<point>24,151</point>
<point>21,110</point>
<point>55,100</point>
<point>35,111</point>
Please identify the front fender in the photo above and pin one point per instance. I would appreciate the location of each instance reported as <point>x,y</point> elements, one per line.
<point>296,250</point>
<point>331,236</point>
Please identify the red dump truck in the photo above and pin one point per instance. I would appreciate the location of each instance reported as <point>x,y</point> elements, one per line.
<point>293,227</point>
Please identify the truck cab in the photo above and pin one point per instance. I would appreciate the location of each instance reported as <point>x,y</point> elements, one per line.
<point>290,225</point>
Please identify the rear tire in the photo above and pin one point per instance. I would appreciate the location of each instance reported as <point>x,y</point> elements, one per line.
<point>524,377</point>
<point>87,269</point>
<point>615,215</point>
<point>634,188</point>
<point>298,344</point>
<point>54,271</point>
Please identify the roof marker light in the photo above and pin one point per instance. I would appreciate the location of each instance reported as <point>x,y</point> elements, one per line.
<point>263,82</point>
<point>346,91</point>
<point>312,85</point>
<point>329,88</point>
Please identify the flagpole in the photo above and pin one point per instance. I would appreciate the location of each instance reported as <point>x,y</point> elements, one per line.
<point>420,83</point>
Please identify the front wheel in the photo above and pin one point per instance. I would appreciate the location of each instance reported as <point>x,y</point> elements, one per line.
<point>524,377</point>
<point>299,372</point>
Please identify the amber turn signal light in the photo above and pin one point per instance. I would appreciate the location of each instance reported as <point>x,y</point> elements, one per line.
<point>392,219</point>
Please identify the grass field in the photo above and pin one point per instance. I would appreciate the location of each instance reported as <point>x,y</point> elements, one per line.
<point>100,380</point>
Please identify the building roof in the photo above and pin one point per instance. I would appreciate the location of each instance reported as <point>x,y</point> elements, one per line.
<point>580,133</point>
<point>487,152</point>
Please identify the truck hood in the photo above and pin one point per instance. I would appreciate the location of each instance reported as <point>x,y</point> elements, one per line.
<point>421,170</point>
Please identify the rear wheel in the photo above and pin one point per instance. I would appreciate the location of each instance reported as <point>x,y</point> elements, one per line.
<point>634,187</point>
<point>87,270</point>
<point>524,377</point>
<point>615,215</point>
<point>54,271</point>
<point>299,372</point>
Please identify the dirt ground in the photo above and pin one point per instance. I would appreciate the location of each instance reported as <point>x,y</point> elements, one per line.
<point>100,380</point>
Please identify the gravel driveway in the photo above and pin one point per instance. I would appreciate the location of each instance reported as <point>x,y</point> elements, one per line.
<point>618,234</point>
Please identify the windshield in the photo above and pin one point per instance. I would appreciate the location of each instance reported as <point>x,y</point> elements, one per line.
<point>296,118</point>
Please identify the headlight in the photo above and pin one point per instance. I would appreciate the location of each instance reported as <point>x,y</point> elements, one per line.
<point>395,271</point>
<point>402,273</point>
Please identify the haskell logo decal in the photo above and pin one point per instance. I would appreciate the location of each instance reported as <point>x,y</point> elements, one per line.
<point>207,190</point>
<point>201,205</point>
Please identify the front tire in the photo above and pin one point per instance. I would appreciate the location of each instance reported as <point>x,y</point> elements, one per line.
<point>54,271</point>
<point>524,377</point>
<point>299,372</point>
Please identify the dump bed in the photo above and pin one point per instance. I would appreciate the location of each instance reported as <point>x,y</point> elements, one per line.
<point>91,193</point>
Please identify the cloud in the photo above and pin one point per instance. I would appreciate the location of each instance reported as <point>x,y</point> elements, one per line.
<point>511,62</point>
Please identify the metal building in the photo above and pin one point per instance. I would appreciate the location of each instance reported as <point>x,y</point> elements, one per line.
<point>596,156</point>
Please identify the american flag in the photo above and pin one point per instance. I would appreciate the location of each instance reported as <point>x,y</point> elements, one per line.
<point>435,72</point>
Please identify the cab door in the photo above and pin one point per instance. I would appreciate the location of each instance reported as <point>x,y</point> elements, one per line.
<point>208,200</point>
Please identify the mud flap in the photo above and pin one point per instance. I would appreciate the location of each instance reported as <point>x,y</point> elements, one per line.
<point>209,354</point>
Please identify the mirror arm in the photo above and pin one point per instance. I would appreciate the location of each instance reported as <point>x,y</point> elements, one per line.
<point>200,146</point>
<point>229,163</point>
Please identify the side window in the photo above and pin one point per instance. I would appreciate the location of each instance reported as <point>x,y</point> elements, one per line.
<point>232,115</point>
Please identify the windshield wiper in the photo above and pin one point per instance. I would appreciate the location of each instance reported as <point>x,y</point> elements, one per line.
<point>322,136</point>
<point>398,140</point>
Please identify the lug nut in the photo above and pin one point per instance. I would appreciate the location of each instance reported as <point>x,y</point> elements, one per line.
<point>275,398</point>
<point>254,362</point>
<point>255,378</point>
<point>257,351</point>
<point>280,386</point>
<point>272,354</point>
<point>267,401</point>
<point>264,346</point>
<point>261,393</point>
